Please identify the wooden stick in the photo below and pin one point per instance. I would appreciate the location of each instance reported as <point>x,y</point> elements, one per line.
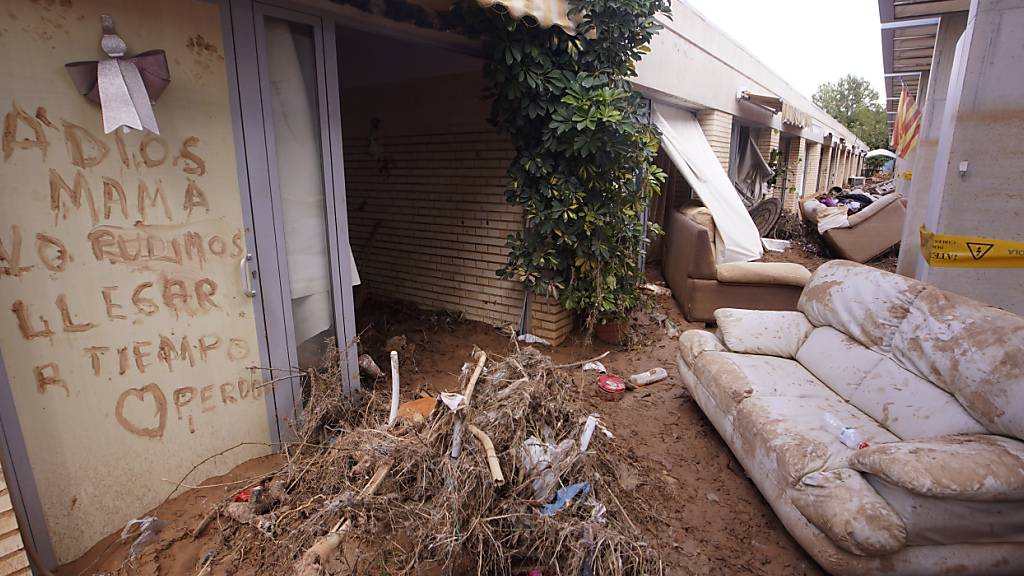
<point>318,552</point>
<point>492,456</point>
<point>481,358</point>
<point>581,362</point>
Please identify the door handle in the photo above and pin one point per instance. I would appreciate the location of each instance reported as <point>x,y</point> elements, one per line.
<point>243,269</point>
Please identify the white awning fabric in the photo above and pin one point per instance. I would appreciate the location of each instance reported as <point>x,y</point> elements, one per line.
<point>737,238</point>
<point>547,13</point>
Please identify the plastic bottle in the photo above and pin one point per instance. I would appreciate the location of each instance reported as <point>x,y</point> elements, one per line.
<point>848,436</point>
<point>650,377</point>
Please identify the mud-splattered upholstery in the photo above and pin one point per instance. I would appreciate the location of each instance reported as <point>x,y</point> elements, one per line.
<point>932,384</point>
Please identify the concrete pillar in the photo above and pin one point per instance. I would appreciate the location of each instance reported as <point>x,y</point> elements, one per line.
<point>717,127</point>
<point>796,156</point>
<point>811,166</point>
<point>982,128</point>
<point>826,165</point>
<point>950,29</point>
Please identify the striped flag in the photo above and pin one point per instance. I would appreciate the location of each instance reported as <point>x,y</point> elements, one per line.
<point>908,125</point>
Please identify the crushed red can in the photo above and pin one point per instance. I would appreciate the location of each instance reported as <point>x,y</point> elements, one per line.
<point>244,495</point>
<point>610,387</point>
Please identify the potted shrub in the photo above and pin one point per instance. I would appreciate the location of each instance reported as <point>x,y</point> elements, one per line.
<point>584,167</point>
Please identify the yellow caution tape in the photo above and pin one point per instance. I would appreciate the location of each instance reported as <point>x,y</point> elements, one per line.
<point>949,251</point>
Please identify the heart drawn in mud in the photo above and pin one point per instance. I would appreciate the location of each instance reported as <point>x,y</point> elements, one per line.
<point>142,395</point>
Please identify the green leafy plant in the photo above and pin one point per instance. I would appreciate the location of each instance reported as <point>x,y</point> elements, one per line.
<point>584,166</point>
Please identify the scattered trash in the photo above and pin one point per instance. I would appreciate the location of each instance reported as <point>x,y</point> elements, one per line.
<point>144,530</point>
<point>564,496</point>
<point>712,497</point>
<point>775,245</point>
<point>588,432</point>
<point>395,387</point>
<point>610,387</point>
<point>540,461</point>
<point>452,400</point>
<point>657,290</point>
<point>417,410</point>
<point>671,329</point>
<point>531,339</point>
<point>244,495</point>
<point>649,377</point>
<point>368,367</point>
<point>595,366</point>
<point>848,436</point>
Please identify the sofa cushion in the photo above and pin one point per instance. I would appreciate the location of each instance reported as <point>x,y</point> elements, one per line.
<point>969,467</point>
<point>762,331</point>
<point>837,360</point>
<point>942,521</point>
<point>774,273</point>
<point>910,406</point>
<point>850,512</point>
<point>862,302</point>
<point>693,343</point>
<point>971,350</point>
<point>731,378</point>
<point>792,432</point>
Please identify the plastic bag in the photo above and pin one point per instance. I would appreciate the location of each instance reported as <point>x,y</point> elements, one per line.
<point>144,530</point>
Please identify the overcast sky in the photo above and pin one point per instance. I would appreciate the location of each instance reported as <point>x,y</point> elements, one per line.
<point>807,42</point>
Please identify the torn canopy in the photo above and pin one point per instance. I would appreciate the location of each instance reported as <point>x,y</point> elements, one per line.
<point>683,140</point>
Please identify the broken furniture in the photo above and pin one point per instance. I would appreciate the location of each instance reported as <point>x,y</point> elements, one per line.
<point>864,235</point>
<point>882,422</point>
<point>701,285</point>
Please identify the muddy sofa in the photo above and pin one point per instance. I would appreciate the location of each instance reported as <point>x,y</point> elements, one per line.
<point>882,421</point>
<point>868,233</point>
<point>701,285</point>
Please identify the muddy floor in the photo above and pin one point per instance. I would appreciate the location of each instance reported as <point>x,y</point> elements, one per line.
<point>709,518</point>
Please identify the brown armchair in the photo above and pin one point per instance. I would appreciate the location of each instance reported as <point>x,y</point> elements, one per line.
<point>700,285</point>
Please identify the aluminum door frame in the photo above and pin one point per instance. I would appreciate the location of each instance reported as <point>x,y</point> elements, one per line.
<point>271,262</point>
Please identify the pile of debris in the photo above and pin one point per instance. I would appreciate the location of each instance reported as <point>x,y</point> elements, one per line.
<point>511,476</point>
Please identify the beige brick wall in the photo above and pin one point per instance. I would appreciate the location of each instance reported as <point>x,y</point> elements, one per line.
<point>825,167</point>
<point>717,127</point>
<point>13,560</point>
<point>795,160</point>
<point>428,224</point>
<point>811,166</point>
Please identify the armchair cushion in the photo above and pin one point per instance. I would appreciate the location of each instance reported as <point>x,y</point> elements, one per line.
<point>763,332</point>
<point>781,273</point>
<point>964,467</point>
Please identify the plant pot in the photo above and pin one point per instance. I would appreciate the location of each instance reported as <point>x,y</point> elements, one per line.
<point>612,332</point>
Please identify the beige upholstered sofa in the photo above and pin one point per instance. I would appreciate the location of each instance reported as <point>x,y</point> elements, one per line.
<point>882,422</point>
<point>701,285</point>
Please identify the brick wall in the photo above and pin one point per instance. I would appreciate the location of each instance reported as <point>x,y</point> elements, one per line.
<point>795,159</point>
<point>13,560</point>
<point>825,168</point>
<point>811,168</point>
<point>717,127</point>
<point>427,214</point>
<point>768,140</point>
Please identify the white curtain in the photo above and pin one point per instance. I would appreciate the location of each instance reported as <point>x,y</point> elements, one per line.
<point>683,140</point>
<point>300,176</point>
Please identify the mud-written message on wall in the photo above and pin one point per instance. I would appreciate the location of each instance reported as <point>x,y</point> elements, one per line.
<point>162,232</point>
<point>124,331</point>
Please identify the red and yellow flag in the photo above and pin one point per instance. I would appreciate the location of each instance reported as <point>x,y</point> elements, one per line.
<point>908,125</point>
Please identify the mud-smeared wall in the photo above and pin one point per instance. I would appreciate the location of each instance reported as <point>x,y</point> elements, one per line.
<point>124,330</point>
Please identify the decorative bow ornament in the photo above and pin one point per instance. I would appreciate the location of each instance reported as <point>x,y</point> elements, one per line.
<point>125,88</point>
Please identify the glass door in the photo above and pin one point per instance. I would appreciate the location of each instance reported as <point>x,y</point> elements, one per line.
<point>303,264</point>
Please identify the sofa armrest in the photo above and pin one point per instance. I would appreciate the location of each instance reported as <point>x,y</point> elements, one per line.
<point>964,467</point>
<point>764,332</point>
<point>693,343</point>
<point>850,512</point>
<point>772,273</point>
<point>877,206</point>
